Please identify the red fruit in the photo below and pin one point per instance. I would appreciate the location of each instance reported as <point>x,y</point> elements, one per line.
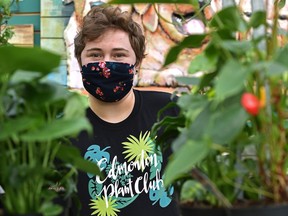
<point>250,103</point>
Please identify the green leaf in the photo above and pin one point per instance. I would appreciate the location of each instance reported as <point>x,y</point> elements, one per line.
<point>238,47</point>
<point>44,94</point>
<point>75,106</point>
<point>227,121</point>
<point>24,76</point>
<point>192,188</point>
<point>203,63</point>
<point>276,69</point>
<point>192,41</point>
<point>192,102</point>
<point>14,126</point>
<point>72,155</point>
<point>185,159</point>
<point>231,79</point>
<point>169,126</point>
<point>280,64</point>
<point>220,123</point>
<point>27,59</point>
<point>56,129</point>
<point>188,80</point>
<point>258,18</point>
<point>281,3</point>
<point>197,128</point>
<point>5,3</point>
<point>207,79</point>
<point>228,18</point>
<point>50,209</point>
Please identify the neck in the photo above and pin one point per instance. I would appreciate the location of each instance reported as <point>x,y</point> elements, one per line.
<point>114,112</point>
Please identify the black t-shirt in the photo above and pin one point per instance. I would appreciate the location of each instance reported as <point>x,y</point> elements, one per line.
<point>126,153</point>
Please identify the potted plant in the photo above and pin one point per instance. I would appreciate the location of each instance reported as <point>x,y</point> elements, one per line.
<point>6,32</point>
<point>38,165</point>
<point>230,139</point>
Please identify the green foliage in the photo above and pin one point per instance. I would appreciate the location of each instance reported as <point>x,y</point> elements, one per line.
<point>6,32</point>
<point>226,152</point>
<point>37,119</point>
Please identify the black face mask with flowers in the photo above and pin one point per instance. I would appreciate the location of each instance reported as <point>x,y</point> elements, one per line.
<point>108,81</point>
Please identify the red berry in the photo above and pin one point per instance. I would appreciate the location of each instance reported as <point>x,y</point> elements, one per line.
<point>250,103</point>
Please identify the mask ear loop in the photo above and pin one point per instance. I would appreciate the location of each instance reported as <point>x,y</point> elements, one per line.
<point>135,78</point>
<point>136,68</point>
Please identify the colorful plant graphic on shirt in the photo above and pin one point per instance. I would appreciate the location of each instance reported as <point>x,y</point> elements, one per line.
<point>94,154</point>
<point>102,209</point>
<point>161,195</point>
<point>121,185</point>
<point>135,147</point>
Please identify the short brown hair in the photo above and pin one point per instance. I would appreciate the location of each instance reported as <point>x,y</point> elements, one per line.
<point>101,18</point>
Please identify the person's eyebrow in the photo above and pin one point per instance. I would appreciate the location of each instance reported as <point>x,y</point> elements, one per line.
<point>120,49</point>
<point>94,49</point>
<point>114,49</point>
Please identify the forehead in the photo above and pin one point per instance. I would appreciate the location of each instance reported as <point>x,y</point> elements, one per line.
<point>111,38</point>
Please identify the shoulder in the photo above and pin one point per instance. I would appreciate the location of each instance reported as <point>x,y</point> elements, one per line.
<point>158,97</point>
<point>157,100</point>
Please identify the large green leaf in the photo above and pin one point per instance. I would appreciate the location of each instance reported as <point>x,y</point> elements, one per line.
<point>75,106</point>
<point>35,94</point>
<point>227,121</point>
<point>57,129</point>
<point>24,76</point>
<point>72,155</point>
<point>185,159</point>
<point>42,94</point>
<point>198,126</point>
<point>219,122</point>
<point>231,79</point>
<point>19,124</point>
<point>258,18</point>
<point>28,59</point>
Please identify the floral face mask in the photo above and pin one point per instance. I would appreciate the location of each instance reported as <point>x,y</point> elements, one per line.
<point>108,81</point>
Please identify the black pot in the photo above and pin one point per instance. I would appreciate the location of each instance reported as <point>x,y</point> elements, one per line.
<point>194,211</point>
<point>273,210</point>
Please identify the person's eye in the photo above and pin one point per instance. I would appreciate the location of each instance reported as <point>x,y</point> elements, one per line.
<point>95,55</point>
<point>119,55</point>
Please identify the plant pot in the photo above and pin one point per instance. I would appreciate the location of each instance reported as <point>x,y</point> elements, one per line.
<point>273,210</point>
<point>194,211</point>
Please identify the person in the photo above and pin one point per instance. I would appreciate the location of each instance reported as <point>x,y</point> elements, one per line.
<point>109,48</point>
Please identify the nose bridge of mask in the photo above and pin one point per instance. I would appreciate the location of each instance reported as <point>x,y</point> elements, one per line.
<point>108,64</point>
